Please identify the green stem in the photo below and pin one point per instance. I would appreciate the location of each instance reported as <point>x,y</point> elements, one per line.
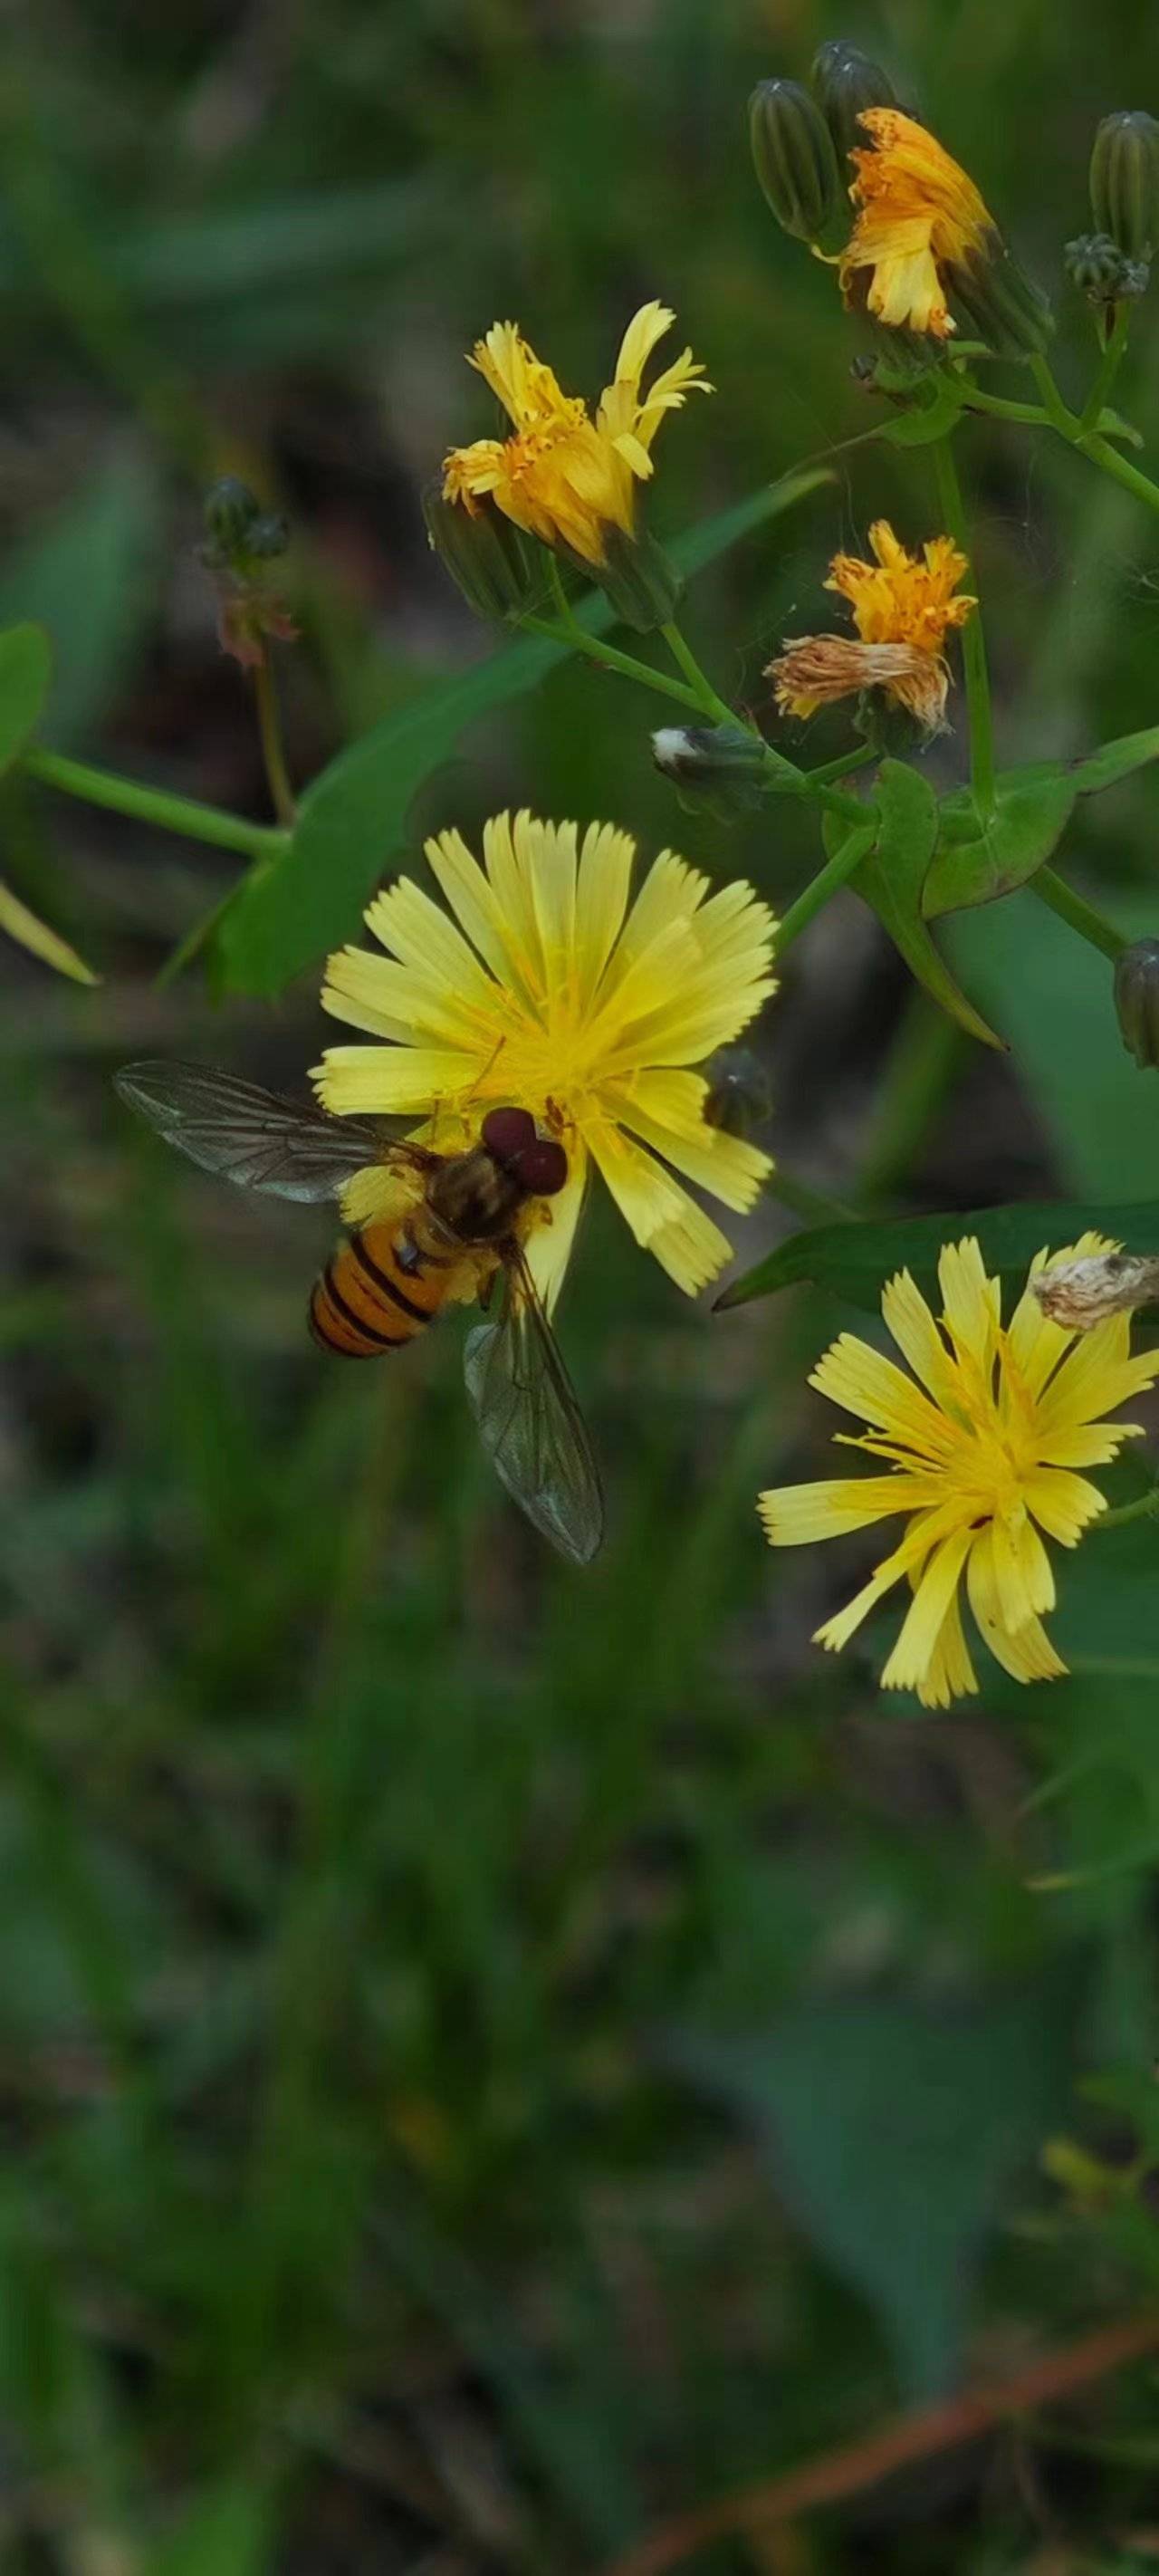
<point>1121,470</point>
<point>685,660</point>
<point>974,669</point>
<point>1107,369</point>
<point>825,884</point>
<point>699,697</point>
<point>1081,916</point>
<point>812,1205</point>
<point>1057,413</point>
<point>273,750</point>
<point>832,770</point>
<point>577,640</point>
<point>1146,1509</point>
<point>153,805</point>
<point>1001,408</point>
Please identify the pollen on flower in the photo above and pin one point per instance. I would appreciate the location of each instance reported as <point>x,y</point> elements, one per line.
<point>547,987</point>
<point>984,1440</point>
<point>562,476</point>
<point>918,215</point>
<point>903,607</point>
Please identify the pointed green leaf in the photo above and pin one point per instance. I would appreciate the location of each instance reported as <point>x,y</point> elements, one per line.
<point>891,880</point>
<point>290,910</point>
<point>854,1261</point>
<point>1116,760</point>
<point>897,2129</point>
<point>1032,816</point>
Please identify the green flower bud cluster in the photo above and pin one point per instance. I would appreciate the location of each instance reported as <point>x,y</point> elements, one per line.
<point>239,533</point>
<point>1102,272</point>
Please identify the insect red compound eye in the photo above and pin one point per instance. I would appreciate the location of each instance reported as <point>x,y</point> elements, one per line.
<point>542,1167</point>
<point>507,1133</point>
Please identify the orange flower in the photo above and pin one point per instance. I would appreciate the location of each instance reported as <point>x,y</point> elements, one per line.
<point>918,214</point>
<point>903,607</point>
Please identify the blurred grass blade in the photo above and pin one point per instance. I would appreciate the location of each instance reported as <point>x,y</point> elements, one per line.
<point>290,910</point>
<point>31,933</point>
<point>25,674</point>
<point>87,575</point>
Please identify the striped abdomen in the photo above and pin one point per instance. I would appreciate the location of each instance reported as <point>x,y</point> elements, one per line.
<point>378,1290</point>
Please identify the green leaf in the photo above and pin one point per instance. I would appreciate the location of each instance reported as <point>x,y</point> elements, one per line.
<point>921,422</point>
<point>897,2132</point>
<point>854,1261</point>
<point>1052,995</point>
<point>1032,816</point>
<point>25,673</point>
<point>1116,760</point>
<point>289,911</point>
<point>891,879</point>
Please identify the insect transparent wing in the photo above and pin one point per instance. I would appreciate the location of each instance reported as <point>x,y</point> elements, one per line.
<point>288,1149</point>
<point>530,1422</point>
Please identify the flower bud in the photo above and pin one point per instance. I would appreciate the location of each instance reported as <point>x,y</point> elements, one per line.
<point>1102,272</point>
<point>1137,1000</point>
<point>740,1094</point>
<point>793,157</point>
<point>1001,303</point>
<point>230,511</point>
<point>721,767</point>
<point>844,82</point>
<point>484,554</point>
<point>1124,181</point>
<point>636,575</point>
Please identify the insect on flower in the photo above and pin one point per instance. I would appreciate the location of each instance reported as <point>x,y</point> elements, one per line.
<point>457,1234</point>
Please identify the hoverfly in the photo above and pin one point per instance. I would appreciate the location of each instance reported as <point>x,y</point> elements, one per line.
<point>389,1279</point>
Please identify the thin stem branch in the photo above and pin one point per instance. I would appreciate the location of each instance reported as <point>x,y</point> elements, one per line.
<point>1001,408</point>
<point>273,748</point>
<point>577,640</point>
<point>153,805</point>
<point>902,2442</point>
<point>1146,1509</point>
<point>1072,908</point>
<point>974,669</point>
<point>825,884</point>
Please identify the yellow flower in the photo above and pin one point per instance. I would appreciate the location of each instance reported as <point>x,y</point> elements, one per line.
<point>918,214</point>
<point>551,991</point>
<point>562,476</point>
<point>903,607</point>
<point>984,1443</point>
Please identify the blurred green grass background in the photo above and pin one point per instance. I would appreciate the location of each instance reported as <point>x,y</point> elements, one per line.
<point>489,2058</point>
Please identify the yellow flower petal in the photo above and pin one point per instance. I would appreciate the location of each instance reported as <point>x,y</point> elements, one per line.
<point>798,1515</point>
<point>361,1081</point>
<point>861,1380</point>
<point>1028,1654</point>
<point>909,1665</point>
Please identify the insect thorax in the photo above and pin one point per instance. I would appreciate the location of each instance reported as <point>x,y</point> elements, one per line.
<point>474,1197</point>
